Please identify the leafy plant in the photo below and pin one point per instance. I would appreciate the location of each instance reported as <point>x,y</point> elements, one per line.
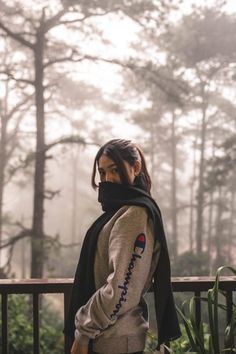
<point>207,340</point>
<point>151,343</point>
<point>179,346</point>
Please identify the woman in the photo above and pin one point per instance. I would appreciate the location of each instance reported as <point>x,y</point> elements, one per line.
<point>122,252</point>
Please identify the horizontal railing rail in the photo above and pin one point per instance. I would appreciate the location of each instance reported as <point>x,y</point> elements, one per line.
<point>35,287</point>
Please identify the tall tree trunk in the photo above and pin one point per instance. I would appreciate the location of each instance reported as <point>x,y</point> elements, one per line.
<point>74,221</point>
<point>218,234</point>
<point>232,217</point>
<point>3,152</point>
<point>152,147</point>
<point>2,169</point>
<point>37,246</point>
<point>200,192</point>
<point>23,258</point>
<point>191,214</point>
<point>173,188</point>
<point>210,223</point>
<point>209,233</point>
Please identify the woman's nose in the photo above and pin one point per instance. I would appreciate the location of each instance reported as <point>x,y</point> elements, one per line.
<point>109,177</point>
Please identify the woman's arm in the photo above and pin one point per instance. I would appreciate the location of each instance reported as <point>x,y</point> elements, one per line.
<point>131,245</point>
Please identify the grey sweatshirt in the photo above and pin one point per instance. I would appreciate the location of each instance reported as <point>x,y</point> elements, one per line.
<point>125,261</point>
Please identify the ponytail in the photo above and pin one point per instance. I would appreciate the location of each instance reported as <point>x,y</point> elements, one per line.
<point>144,172</point>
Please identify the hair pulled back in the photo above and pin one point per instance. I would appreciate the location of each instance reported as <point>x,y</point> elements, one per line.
<point>120,150</point>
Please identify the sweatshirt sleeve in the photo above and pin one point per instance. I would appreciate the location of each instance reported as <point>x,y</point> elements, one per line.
<point>131,245</point>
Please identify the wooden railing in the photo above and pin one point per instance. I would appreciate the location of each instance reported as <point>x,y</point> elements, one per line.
<point>35,287</point>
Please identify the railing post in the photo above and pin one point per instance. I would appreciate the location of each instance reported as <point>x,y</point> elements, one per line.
<point>229,305</point>
<point>229,312</point>
<point>4,324</point>
<point>36,322</point>
<point>67,339</point>
<point>197,295</point>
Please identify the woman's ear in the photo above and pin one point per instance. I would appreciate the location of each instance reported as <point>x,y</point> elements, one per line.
<point>137,167</point>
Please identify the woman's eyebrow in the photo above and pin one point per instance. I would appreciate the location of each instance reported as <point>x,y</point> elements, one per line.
<point>109,166</point>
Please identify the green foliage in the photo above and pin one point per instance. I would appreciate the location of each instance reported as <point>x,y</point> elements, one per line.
<point>52,338</point>
<point>181,345</point>
<point>190,264</point>
<point>151,343</point>
<point>206,340</point>
<point>178,346</point>
<point>21,328</point>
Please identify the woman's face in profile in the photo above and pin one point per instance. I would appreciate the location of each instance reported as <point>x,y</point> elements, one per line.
<point>109,173</point>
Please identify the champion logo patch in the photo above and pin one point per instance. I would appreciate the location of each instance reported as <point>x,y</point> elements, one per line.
<point>139,247</point>
<point>139,244</point>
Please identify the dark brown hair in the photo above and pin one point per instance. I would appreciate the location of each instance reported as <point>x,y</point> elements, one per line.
<point>120,150</point>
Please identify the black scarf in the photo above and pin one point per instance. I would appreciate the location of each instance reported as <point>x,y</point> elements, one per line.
<point>112,197</point>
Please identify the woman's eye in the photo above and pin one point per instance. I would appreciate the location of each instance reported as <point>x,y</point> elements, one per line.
<point>115,170</point>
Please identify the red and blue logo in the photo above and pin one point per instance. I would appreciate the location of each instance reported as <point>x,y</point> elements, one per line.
<point>140,243</point>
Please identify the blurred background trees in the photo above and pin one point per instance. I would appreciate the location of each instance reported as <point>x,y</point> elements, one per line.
<point>74,75</point>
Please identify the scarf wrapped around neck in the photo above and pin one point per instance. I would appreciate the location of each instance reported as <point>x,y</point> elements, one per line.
<point>112,197</point>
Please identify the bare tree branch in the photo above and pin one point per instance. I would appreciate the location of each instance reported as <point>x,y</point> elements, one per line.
<point>11,76</point>
<point>82,19</point>
<point>25,81</point>
<point>154,76</point>
<point>22,234</point>
<point>16,36</point>
<point>18,106</point>
<point>73,139</point>
<point>66,245</point>
<point>7,267</point>
<point>63,59</point>
<point>28,232</point>
<point>13,134</point>
<point>52,22</point>
<point>51,194</point>
<point>72,57</point>
<point>24,33</point>
<point>53,241</point>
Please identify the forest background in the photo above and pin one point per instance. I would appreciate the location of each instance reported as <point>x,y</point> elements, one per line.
<point>74,74</point>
